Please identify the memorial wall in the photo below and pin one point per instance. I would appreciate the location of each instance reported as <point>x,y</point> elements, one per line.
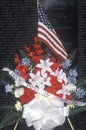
<point>81,12</point>
<point>18,26</point>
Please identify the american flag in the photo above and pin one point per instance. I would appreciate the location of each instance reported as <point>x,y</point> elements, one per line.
<point>48,36</point>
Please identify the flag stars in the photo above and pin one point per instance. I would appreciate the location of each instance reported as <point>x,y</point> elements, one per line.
<point>43,18</point>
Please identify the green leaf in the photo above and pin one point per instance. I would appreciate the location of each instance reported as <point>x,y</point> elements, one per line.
<point>77,110</point>
<point>7,107</point>
<point>6,82</point>
<point>10,119</point>
<point>72,54</point>
<point>22,54</point>
<point>7,79</point>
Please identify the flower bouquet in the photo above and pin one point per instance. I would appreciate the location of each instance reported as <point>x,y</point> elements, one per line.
<point>45,88</point>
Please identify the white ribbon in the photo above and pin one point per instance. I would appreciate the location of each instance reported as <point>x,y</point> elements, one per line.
<point>43,114</point>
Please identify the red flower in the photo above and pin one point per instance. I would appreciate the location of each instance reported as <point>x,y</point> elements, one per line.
<point>17,60</point>
<point>36,70</point>
<point>59,65</point>
<point>53,59</point>
<point>39,52</point>
<point>53,67</point>
<point>31,54</point>
<point>27,48</point>
<point>36,39</point>
<point>56,66</point>
<point>37,46</point>
<point>16,55</point>
<point>59,95</point>
<point>36,59</point>
<point>51,90</point>
<point>19,67</point>
<point>69,97</point>
<point>23,70</point>
<point>53,79</point>
<point>58,85</point>
<point>27,96</point>
<point>26,76</point>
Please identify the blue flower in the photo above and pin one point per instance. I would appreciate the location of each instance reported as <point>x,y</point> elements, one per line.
<point>66,64</point>
<point>72,80</point>
<point>17,72</point>
<point>26,61</point>
<point>8,88</point>
<point>73,73</point>
<point>80,93</point>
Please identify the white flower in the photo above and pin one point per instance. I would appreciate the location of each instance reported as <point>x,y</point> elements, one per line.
<point>19,92</point>
<point>64,92</point>
<point>35,79</point>
<point>70,87</point>
<point>45,65</point>
<point>19,81</point>
<point>61,76</point>
<point>46,80</point>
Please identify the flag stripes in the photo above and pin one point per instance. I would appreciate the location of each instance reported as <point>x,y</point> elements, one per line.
<point>48,36</point>
<point>51,40</point>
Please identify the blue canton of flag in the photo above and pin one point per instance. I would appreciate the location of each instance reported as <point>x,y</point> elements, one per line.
<point>48,36</point>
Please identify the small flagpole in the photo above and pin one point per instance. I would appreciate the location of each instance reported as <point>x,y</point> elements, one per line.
<point>38,3</point>
<point>16,125</point>
<point>72,128</point>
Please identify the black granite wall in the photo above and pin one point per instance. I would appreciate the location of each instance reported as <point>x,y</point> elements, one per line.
<point>18,25</point>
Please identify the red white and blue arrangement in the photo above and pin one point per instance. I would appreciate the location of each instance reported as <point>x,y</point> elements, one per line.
<point>45,86</point>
